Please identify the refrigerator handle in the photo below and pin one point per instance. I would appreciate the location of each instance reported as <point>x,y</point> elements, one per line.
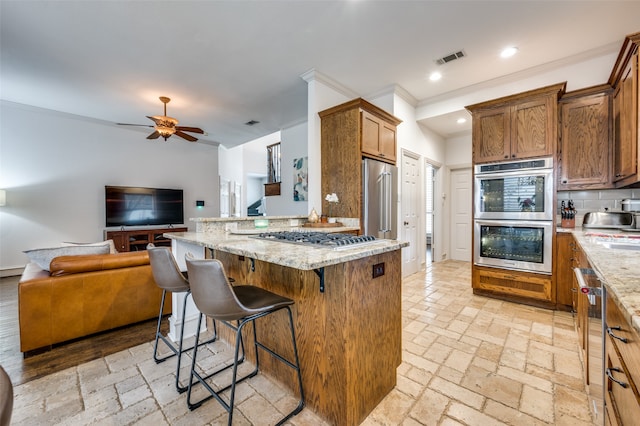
<point>385,203</point>
<point>381,197</point>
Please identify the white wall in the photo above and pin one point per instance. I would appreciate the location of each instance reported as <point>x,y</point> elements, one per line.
<point>247,162</point>
<point>293,145</point>
<point>54,167</point>
<point>322,93</point>
<point>458,151</point>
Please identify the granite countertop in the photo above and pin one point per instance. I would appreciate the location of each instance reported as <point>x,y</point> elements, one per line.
<point>286,254</point>
<point>618,269</point>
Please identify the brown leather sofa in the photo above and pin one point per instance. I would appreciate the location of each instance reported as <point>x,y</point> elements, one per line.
<point>83,295</point>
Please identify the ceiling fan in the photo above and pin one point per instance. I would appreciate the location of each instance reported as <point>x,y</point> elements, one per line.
<point>166,126</point>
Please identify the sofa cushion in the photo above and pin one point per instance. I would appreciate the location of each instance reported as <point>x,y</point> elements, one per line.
<point>43,256</point>
<point>67,265</point>
<point>112,246</point>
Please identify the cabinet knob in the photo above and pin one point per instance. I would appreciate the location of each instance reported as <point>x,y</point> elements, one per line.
<point>564,181</point>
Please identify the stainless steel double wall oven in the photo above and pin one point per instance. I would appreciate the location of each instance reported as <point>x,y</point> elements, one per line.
<point>513,213</point>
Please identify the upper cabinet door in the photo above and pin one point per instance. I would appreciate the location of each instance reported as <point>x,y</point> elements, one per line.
<point>491,135</point>
<point>625,107</point>
<point>584,145</point>
<point>378,138</point>
<point>531,128</point>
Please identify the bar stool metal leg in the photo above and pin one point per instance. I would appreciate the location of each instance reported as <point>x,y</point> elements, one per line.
<point>237,361</point>
<point>180,349</point>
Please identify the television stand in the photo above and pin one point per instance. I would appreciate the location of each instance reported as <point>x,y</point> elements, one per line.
<point>137,240</point>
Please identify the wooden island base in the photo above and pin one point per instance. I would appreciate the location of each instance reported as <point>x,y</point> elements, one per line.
<point>349,336</point>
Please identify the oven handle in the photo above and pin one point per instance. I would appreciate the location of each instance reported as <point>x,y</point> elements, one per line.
<point>591,292</point>
<point>516,223</point>
<point>514,173</point>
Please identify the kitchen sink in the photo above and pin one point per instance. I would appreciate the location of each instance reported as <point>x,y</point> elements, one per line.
<point>623,246</point>
<point>616,220</point>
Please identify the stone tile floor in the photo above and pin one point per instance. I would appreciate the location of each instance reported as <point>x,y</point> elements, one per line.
<point>467,360</point>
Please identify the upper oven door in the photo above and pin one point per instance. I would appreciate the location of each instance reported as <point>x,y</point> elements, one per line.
<point>517,195</point>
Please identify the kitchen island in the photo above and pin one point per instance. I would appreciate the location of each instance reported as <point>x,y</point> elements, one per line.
<point>618,269</point>
<point>613,255</point>
<point>347,314</point>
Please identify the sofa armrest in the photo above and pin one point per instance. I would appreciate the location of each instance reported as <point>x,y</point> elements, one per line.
<point>67,265</point>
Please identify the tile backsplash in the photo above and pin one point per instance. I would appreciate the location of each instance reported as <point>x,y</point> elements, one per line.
<point>593,201</point>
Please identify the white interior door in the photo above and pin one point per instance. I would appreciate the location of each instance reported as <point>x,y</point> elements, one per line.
<point>461,205</point>
<point>411,197</point>
<point>224,198</point>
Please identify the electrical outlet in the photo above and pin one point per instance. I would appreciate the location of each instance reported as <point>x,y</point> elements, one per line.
<point>378,270</point>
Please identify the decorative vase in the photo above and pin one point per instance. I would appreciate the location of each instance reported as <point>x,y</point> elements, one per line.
<point>313,216</point>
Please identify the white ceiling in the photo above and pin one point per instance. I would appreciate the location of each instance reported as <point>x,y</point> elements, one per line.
<point>224,63</point>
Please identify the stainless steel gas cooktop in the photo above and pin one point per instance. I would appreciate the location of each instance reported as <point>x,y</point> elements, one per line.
<point>335,241</point>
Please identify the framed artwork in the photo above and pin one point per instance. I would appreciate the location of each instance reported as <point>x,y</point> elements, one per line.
<point>300,179</point>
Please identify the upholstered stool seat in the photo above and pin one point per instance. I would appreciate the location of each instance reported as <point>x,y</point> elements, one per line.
<point>169,278</point>
<point>216,298</point>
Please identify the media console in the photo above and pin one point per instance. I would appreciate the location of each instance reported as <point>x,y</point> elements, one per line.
<point>137,240</point>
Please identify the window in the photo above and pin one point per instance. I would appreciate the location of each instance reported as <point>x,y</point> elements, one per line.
<point>273,162</point>
<point>272,187</point>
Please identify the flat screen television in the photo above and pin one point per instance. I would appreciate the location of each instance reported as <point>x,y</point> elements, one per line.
<point>135,206</point>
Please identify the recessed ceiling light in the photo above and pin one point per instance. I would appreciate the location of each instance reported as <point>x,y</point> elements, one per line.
<point>435,76</point>
<point>509,52</point>
<point>461,120</point>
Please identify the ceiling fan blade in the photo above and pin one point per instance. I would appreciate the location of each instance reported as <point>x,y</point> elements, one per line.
<point>154,135</point>
<point>185,136</point>
<point>190,129</point>
<point>128,124</point>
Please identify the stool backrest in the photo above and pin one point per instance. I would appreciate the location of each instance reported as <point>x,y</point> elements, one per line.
<point>6,398</point>
<point>166,272</point>
<point>211,291</point>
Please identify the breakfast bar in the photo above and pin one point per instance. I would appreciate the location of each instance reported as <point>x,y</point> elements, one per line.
<point>347,313</point>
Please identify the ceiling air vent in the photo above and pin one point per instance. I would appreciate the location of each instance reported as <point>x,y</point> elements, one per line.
<point>451,57</point>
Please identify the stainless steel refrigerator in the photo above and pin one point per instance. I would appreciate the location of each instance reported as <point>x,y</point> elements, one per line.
<point>380,199</point>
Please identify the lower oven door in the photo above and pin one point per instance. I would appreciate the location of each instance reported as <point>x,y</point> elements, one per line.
<point>514,244</point>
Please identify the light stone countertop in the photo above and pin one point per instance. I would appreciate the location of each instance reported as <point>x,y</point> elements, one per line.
<point>618,269</point>
<point>296,256</point>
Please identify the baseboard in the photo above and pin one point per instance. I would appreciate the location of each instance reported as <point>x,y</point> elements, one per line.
<point>11,272</point>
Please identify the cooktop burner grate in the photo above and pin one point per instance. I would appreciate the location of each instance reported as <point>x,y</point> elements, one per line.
<point>317,239</point>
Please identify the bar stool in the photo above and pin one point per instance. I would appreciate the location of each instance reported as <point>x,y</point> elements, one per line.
<point>168,277</point>
<point>6,398</point>
<point>216,298</point>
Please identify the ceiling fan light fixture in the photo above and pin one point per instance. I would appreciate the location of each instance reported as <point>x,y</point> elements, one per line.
<point>165,131</point>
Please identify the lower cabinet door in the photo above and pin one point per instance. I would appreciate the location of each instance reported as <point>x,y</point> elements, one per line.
<point>622,405</point>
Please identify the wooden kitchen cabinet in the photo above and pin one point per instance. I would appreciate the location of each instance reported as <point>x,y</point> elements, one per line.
<point>512,285</point>
<point>564,278</point>
<point>378,138</point>
<point>624,80</point>
<point>516,127</point>
<point>584,145</point>
<point>349,132</point>
<point>622,367</point>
